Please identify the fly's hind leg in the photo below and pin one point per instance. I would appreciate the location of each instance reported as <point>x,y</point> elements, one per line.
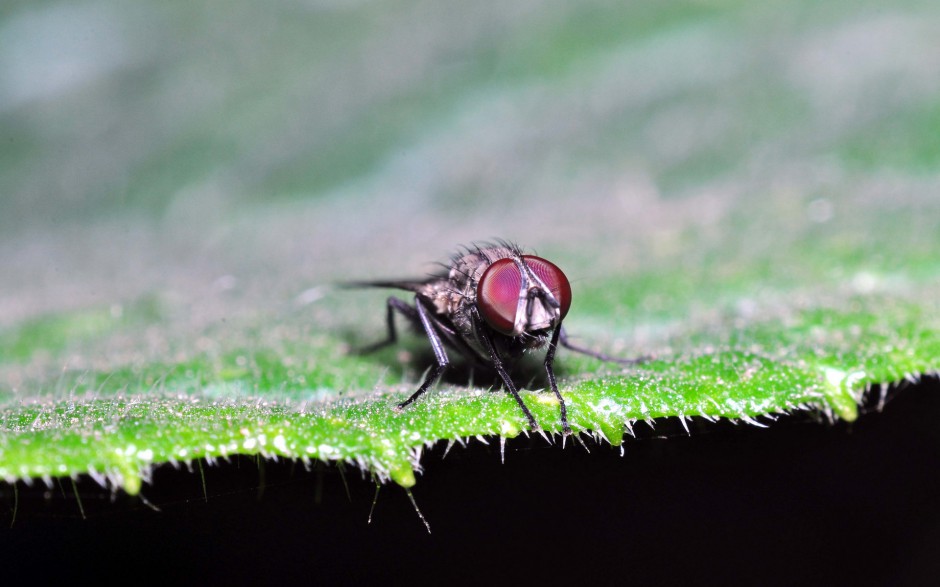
<point>393,304</point>
<point>563,340</point>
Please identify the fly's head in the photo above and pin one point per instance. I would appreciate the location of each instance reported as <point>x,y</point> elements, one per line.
<point>523,296</point>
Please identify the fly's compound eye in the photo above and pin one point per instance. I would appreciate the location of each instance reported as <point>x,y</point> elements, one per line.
<point>500,287</point>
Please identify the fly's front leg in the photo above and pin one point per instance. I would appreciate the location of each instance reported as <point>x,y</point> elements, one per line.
<point>549,361</point>
<point>480,329</point>
<point>440,355</point>
<point>393,304</point>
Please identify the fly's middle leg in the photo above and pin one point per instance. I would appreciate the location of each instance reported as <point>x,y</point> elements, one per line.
<point>437,345</point>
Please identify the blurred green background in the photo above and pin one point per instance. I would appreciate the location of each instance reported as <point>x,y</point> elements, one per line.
<point>179,181</point>
<point>149,145</point>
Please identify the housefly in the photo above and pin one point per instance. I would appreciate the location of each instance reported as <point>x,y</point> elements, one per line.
<point>491,303</point>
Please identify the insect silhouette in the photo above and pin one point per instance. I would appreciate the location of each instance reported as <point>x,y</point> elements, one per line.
<point>491,303</point>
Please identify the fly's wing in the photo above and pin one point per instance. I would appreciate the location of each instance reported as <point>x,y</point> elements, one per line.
<point>413,285</point>
<point>418,285</point>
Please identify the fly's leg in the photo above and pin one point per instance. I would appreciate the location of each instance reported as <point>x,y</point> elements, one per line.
<point>549,361</point>
<point>440,355</point>
<point>562,337</point>
<point>480,328</point>
<point>393,304</point>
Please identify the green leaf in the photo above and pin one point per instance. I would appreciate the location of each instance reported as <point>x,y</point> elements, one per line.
<point>718,196</point>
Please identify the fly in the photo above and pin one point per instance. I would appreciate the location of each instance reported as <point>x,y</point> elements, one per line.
<point>491,304</point>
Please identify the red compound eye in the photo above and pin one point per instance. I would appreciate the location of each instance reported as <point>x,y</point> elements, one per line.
<point>498,290</point>
<point>498,294</point>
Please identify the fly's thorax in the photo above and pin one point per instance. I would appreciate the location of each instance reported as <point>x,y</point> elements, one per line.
<point>441,295</point>
<point>466,270</point>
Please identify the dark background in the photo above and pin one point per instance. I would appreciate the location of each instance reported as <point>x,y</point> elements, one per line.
<point>802,502</point>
